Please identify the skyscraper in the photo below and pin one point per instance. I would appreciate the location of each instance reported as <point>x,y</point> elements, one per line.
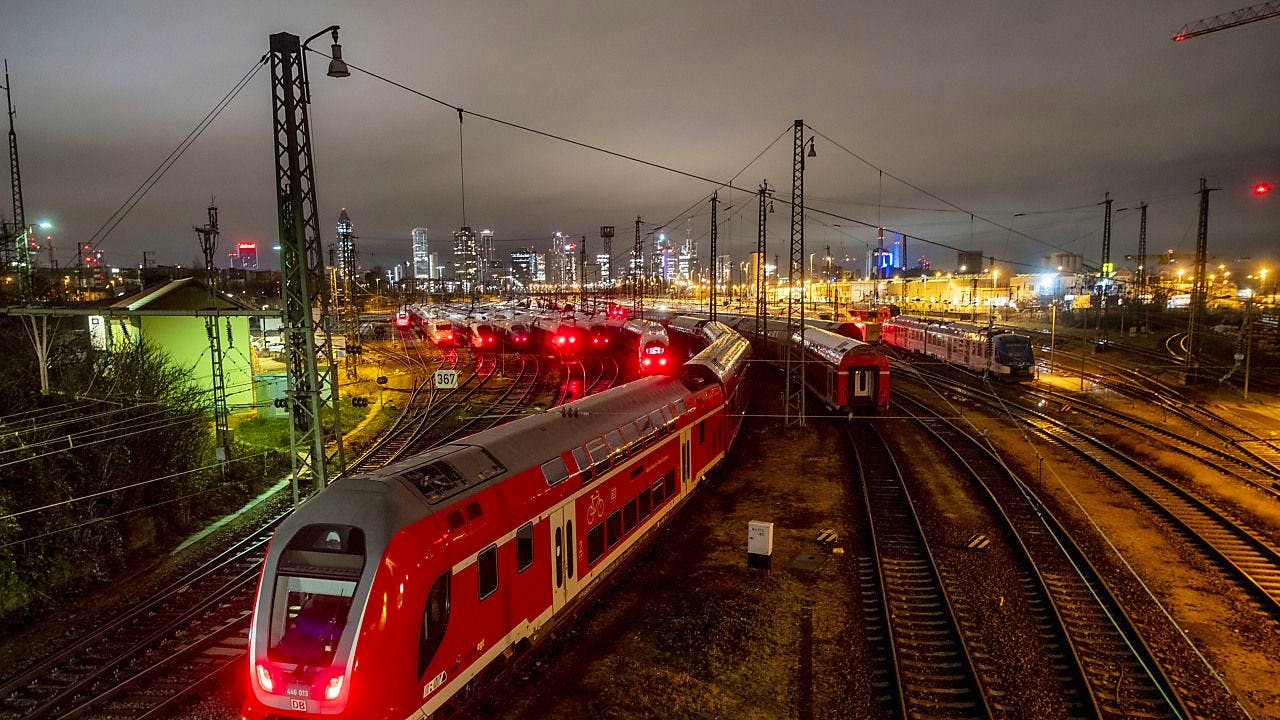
<point>346,250</point>
<point>464,257</point>
<point>421,255</point>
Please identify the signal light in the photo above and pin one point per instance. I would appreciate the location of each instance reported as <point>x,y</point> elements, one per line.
<point>264,678</point>
<point>1262,188</point>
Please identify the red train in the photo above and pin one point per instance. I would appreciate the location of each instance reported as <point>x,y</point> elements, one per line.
<point>390,594</point>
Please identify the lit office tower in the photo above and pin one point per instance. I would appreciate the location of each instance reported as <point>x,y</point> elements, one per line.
<point>602,261</point>
<point>464,257</point>
<point>487,260</point>
<point>524,266</point>
<point>421,256</point>
<point>346,248</point>
<point>246,254</point>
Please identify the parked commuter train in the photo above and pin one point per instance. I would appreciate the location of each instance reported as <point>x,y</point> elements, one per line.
<point>1000,352</point>
<point>390,594</point>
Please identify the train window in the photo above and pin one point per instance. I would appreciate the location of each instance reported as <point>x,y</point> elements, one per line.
<point>614,524</point>
<point>629,518</point>
<point>702,432</point>
<point>599,453</point>
<point>630,434</point>
<point>455,520</point>
<point>524,547</point>
<point>646,503</point>
<point>554,471</point>
<point>645,426</point>
<point>559,555</point>
<point>657,493</point>
<point>669,483</point>
<point>571,550</point>
<point>658,422</point>
<point>584,464</point>
<point>681,408</point>
<point>668,418</point>
<point>435,618</point>
<point>487,571</point>
<point>595,543</point>
<point>616,445</point>
<point>473,510</point>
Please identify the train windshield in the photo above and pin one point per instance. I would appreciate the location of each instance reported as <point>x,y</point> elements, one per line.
<point>1013,348</point>
<point>314,590</point>
<point>307,619</point>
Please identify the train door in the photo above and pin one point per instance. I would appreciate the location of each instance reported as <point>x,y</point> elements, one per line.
<point>685,464</point>
<point>862,387</point>
<point>564,582</point>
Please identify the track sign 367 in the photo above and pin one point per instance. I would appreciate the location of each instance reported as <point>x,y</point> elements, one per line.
<point>446,379</point>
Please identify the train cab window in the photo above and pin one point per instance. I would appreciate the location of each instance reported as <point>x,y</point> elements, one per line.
<point>646,503</point>
<point>669,484</point>
<point>584,464</point>
<point>614,527</point>
<point>554,471</point>
<point>524,547</point>
<point>434,621</point>
<point>599,453</point>
<point>487,571</point>
<point>568,557</point>
<point>629,518</point>
<point>314,590</point>
<point>595,543</point>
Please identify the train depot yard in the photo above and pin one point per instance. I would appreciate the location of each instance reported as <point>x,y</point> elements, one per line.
<point>623,390</point>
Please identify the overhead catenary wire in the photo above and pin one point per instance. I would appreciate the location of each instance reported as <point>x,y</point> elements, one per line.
<point>116,217</point>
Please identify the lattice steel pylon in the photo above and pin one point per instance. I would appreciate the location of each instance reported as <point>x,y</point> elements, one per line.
<point>793,342</point>
<point>711,295</point>
<point>312,375</point>
<point>1200,289</point>
<point>637,275</point>
<point>348,307</point>
<point>762,304</point>
<point>1105,268</point>
<point>221,420</point>
<point>17,255</point>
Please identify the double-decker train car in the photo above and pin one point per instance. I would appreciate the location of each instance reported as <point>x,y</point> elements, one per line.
<point>391,594</point>
<point>844,373</point>
<point>1000,352</point>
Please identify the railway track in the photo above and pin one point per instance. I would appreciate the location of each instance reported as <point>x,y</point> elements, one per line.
<point>1102,661</point>
<point>1247,557</point>
<point>511,400</point>
<point>933,671</point>
<point>153,656</point>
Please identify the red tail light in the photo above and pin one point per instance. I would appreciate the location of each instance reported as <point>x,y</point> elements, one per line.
<point>333,688</point>
<point>647,362</point>
<point>662,362</point>
<point>264,678</point>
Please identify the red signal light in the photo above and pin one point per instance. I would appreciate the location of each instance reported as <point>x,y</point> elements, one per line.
<point>1262,188</point>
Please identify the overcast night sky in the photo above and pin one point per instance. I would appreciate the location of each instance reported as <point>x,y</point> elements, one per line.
<point>1000,108</point>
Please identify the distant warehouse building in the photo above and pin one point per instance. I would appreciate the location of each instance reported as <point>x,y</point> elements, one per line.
<point>157,315</point>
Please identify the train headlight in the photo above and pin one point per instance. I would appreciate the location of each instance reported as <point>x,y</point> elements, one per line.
<point>334,687</point>
<point>264,678</point>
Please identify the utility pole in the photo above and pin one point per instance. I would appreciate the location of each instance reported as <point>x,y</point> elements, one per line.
<point>582,274</point>
<point>208,236</point>
<point>1200,288</point>
<point>1105,268</point>
<point>637,275</point>
<point>312,376</point>
<point>1142,247</point>
<point>711,296</point>
<point>762,305</point>
<point>793,342</point>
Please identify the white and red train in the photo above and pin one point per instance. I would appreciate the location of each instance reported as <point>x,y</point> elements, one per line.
<point>846,374</point>
<point>1000,352</point>
<point>390,593</point>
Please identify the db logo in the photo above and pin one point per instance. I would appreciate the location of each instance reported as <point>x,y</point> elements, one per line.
<point>595,508</point>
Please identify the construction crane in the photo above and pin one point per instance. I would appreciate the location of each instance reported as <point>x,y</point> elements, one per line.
<point>1235,18</point>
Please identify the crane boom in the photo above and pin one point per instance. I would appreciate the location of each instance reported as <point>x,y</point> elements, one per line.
<point>1243,16</point>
